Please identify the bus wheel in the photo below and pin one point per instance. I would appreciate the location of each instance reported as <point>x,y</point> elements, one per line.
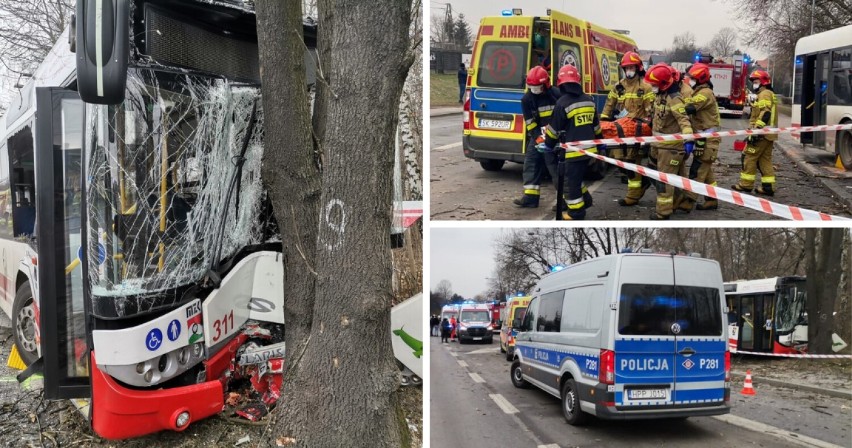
<point>844,148</point>
<point>492,164</point>
<point>517,376</point>
<point>24,324</point>
<point>571,403</point>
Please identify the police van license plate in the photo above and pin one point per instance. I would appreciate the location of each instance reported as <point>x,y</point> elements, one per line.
<point>494,124</point>
<point>646,394</point>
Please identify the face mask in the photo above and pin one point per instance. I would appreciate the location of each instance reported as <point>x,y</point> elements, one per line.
<point>692,83</point>
<point>630,73</point>
<point>536,90</point>
<point>655,89</point>
<point>755,85</point>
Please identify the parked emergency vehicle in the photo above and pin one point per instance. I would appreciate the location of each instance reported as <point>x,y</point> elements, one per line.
<point>516,309</point>
<point>729,81</point>
<point>474,323</point>
<point>506,47</point>
<point>496,313</point>
<point>822,90</point>
<point>449,311</point>
<point>628,336</point>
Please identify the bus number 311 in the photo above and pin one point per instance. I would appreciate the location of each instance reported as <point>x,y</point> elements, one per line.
<point>224,326</point>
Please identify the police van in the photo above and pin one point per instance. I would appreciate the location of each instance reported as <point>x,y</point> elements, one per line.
<point>628,336</point>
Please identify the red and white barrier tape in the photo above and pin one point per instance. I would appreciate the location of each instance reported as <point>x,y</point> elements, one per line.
<point>722,194</point>
<point>680,137</point>
<point>793,355</point>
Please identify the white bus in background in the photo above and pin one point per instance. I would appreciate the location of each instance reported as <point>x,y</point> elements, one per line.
<point>822,89</point>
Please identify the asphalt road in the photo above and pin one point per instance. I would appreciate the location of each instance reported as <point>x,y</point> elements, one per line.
<point>462,190</point>
<point>468,381</point>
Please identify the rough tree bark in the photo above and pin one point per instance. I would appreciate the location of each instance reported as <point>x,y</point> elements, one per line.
<point>823,250</point>
<point>341,379</point>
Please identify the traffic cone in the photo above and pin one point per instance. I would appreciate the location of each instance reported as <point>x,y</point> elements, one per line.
<point>15,360</point>
<point>839,164</point>
<point>747,387</point>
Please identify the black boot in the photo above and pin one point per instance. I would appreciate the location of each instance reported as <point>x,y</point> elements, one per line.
<point>527,200</point>
<point>765,189</point>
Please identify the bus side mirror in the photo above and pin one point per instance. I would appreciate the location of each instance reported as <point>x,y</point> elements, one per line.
<point>102,48</point>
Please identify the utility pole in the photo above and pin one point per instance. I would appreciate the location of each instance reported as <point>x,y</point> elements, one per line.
<point>813,5</point>
<point>448,23</point>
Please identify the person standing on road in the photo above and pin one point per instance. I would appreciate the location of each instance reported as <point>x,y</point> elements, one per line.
<point>537,105</point>
<point>453,326</point>
<point>758,152</point>
<point>669,118</point>
<point>445,330</point>
<point>462,74</point>
<point>632,97</point>
<point>705,118</point>
<point>433,324</point>
<point>575,118</point>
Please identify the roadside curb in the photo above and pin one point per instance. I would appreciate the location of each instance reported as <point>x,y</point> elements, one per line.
<point>832,184</point>
<point>444,111</point>
<point>797,386</point>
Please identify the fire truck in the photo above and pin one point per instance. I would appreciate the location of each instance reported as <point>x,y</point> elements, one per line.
<point>729,82</point>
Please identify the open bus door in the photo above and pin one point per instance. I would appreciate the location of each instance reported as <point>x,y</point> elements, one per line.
<point>60,202</point>
<point>814,97</point>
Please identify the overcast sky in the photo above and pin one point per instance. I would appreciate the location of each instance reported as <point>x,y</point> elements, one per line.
<point>465,257</point>
<point>652,23</point>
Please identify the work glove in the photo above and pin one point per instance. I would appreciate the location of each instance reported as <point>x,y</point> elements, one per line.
<point>753,139</point>
<point>689,147</point>
<point>605,118</point>
<point>601,148</point>
<point>539,140</point>
<point>542,147</point>
<point>699,148</point>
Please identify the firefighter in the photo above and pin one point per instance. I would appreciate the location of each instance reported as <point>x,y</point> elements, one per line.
<point>705,118</point>
<point>669,118</point>
<point>758,153</point>
<point>633,96</point>
<point>575,118</point>
<point>537,105</point>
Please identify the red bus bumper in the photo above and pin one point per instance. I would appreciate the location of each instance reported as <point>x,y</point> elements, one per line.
<point>121,413</point>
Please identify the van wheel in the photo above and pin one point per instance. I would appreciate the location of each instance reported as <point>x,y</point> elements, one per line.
<point>492,164</point>
<point>24,324</point>
<point>571,404</point>
<point>517,376</point>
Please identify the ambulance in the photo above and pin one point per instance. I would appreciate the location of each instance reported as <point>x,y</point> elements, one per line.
<point>506,48</point>
<point>475,323</point>
<point>516,307</point>
<point>628,336</point>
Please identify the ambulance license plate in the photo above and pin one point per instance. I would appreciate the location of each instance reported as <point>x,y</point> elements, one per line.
<point>646,394</point>
<point>477,339</point>
<point>494,124</point>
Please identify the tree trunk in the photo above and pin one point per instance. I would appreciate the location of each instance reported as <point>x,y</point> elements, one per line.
<point>340,387</point>
<point>823,268</point>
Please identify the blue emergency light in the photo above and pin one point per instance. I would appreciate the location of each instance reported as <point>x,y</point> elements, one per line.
<point>520,294</point>
<point>626,250</point>
<point>506,12</point>
<point>557,268</point>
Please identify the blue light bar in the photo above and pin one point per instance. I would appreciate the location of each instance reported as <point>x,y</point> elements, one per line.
<point>520,294</point>
<point>557,268</point>
<point>506,12</point>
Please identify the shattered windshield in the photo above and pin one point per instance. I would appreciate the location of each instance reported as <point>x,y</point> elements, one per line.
<point>791,307</point>
<point>160,165</point>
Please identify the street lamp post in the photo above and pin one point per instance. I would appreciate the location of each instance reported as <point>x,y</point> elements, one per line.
<point>813,4</point>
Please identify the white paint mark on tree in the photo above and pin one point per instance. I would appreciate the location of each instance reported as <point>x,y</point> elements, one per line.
<point>335,219</point>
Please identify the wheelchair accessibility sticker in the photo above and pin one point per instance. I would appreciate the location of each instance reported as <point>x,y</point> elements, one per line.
<point>154,339</point>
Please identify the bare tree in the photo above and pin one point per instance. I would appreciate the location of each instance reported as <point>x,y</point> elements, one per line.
<point>28,29</point>
<point>683,47</point>
<point>330,180</point>
<point>444,289</point>
<point>723,43</point>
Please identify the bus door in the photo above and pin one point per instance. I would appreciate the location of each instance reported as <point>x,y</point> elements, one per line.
<point>815,96</point>
<point>756,316</point>
<point>60,206</point>
<point>498,81</point>
<point>566,46</point>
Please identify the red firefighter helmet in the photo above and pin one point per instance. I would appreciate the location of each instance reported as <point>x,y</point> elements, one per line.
<point>631,58</point>
<point>568,73</point>
<point>761,75</point>
<point>700,73</point>
<point>661,76</point>
<point>538,76</point>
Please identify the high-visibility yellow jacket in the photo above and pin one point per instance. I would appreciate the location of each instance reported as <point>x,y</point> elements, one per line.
<point>670,118</point>
<point>706,114</point>
<point>763,112</point>
<point>633,95</point>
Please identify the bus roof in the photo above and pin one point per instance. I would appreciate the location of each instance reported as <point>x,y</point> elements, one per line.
<point>759,285</point>
<point>836,38</point>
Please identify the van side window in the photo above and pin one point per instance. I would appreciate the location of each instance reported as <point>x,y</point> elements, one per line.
<point>583,306</point>
<point>529,317</point>
<point>652,309</point>
<point>550,312</point>
<point>698,311</point>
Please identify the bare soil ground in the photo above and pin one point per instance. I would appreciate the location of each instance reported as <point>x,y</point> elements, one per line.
<point>28,420</point>
<point>826,373</point>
